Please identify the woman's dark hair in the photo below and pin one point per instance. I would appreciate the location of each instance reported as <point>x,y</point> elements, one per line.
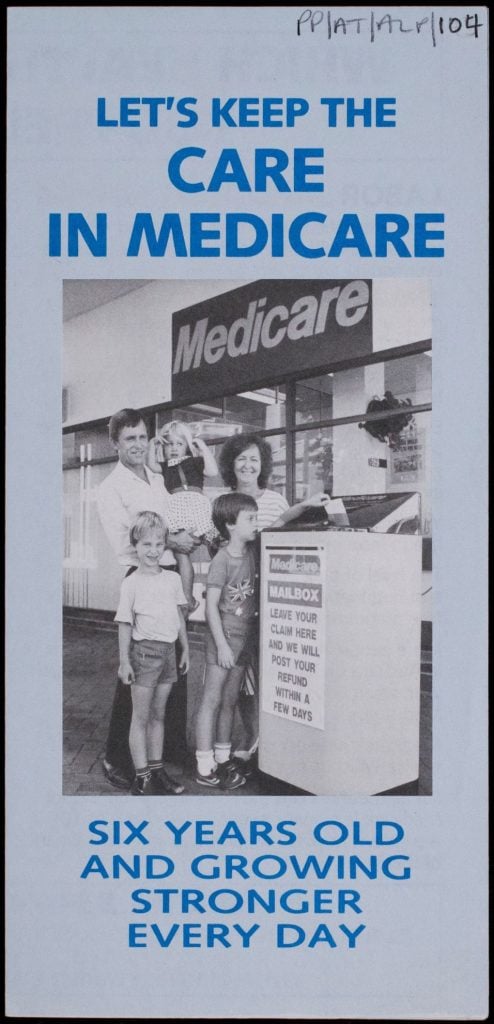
<point>233,447</point>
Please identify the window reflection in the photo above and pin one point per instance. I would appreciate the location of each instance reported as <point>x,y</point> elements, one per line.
<point>200,413</point>
<point>249,411</point>
<point>86,445</point>
<point>347,392</point>
<point>332,458</point>
<point>313,462</point>
<point>263,409</point>
<point>278,476</point>
<point>314,399</point>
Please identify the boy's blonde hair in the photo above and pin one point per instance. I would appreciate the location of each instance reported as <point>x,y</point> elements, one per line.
<point>147,521</point>
<point>180,430</point>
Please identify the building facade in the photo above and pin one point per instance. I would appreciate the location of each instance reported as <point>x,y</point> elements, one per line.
<point>299,362</point>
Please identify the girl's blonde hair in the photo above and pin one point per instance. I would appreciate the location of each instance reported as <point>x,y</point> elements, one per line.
<point>179,429</point>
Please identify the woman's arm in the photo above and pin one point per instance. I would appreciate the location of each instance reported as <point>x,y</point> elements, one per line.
<point>318,500</point>
<point>210,466</point>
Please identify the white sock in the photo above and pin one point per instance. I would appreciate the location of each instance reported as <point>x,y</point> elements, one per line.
<point>244,755</point>
<point>222,752</point>
<point>205,762</point>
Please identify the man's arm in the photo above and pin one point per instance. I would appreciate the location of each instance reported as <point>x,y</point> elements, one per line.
<point>182,542</point>
<point>113,518</point>
<point>184,643</point>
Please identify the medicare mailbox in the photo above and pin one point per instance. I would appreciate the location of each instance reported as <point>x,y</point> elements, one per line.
<point>340,659</point>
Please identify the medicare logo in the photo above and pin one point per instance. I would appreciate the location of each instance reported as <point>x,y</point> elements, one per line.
<point>265,325</point>
<point>295,562</point>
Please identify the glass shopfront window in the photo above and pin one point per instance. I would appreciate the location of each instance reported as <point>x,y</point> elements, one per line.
<point>264,409</point>
<point>204,413</point>
<point>346,459</point>
<point>314,399</point>
<point>410,378</point>
<point>313,462</point>
<point>318,431</point>
<point>347,393</point>
<point>250,411</point>
<point>88,445</point>
<point>326,459</point>
<point>410,466</point>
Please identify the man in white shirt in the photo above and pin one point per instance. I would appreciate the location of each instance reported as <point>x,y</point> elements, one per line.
<point>131,488</point>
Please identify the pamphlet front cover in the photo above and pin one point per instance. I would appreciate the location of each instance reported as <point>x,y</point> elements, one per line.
<point>246,518</point>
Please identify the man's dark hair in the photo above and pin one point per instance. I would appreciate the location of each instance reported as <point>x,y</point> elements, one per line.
<point>226,509</point>
<point>124,418</point>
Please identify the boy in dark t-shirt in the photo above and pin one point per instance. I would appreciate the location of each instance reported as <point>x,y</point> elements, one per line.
<point>232,617</point>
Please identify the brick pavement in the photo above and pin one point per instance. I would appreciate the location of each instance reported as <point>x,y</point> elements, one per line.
<point>90,660</point>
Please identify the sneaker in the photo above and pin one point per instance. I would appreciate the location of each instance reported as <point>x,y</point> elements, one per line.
<point>212,781</point>
<point>247,767</point>
<point>167,784</point>
<point>116,777</point>
<point>145,787</point>
<point>230,776</point>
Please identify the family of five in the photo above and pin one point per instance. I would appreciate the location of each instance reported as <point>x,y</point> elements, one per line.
<point>154,512</point>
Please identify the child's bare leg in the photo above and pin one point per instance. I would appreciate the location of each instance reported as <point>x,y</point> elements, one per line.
<point>186,570</point>
<point>209,706</point>
<point>156,722</point>
<point>155,736</point>
<point>248,706</point>
<point>229,702</point>
<point>142,697</point>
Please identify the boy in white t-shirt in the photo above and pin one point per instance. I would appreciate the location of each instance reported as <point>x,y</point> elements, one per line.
<point>150,619</point>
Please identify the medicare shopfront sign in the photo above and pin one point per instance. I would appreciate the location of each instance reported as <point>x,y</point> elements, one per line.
<point>267,332</point>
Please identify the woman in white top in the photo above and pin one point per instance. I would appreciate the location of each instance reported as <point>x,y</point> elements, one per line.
<point>246,463</point>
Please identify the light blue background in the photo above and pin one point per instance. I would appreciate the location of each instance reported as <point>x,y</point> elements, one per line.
<point>424,951</point>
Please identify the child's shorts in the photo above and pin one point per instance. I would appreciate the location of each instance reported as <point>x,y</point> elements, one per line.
<point>243,644</point>
<point>153,661</point>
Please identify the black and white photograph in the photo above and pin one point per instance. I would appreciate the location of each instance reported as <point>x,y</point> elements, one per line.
<point>264,449</point>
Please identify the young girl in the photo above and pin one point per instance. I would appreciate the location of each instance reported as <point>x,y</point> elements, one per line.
<point>184,461</point>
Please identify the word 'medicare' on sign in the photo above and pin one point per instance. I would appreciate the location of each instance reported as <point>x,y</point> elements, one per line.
<point>252,333</point>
